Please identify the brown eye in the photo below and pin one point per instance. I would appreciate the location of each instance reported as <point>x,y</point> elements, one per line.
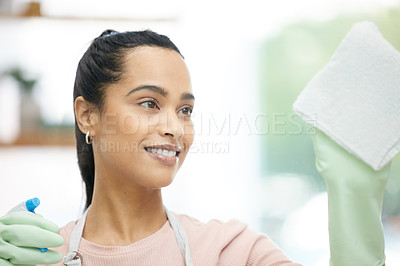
<point>186,111</point>
<point>149,104</point>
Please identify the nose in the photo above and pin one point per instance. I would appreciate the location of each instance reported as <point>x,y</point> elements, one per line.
<point>171,125</point>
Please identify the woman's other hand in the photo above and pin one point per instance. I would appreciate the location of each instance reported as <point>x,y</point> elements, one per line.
<point>22,233</point>
<point>355,197</point>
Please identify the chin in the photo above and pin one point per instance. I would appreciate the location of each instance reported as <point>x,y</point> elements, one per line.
<point>160,183</point>
<point>159,179</point>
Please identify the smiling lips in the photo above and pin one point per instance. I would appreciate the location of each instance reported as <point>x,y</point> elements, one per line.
<point>166,154</point>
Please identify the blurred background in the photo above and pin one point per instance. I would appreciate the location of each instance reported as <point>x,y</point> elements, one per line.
<point>252,158</point>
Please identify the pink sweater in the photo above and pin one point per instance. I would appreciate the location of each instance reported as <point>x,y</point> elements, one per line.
<point>213,243</point>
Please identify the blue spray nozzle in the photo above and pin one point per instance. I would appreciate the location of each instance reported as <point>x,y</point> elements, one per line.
<point>31,204</point>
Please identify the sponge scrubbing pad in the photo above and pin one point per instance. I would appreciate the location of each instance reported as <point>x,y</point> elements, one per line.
<point>355,98</point>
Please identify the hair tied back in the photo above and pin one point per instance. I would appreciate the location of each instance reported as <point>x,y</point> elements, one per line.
<point>108,33</point>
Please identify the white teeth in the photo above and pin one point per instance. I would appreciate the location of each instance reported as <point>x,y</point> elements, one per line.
<point>163,152</point>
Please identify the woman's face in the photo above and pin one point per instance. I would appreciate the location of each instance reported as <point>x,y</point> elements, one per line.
<point>145,129</point>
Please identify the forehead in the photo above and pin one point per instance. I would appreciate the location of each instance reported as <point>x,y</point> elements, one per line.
<point>156,66</point>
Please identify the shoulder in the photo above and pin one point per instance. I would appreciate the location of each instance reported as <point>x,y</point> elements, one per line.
<point>212,227</point>
<point>217,231</point>
<point>232,242</point>
<point>68,228</point>
<point>65,232</point>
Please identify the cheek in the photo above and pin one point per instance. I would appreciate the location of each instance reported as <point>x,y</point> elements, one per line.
<point>136,124</point>
<point>188,127</point>
<point>123,130</point>
<point>129,124</point>
<point>188,136</point>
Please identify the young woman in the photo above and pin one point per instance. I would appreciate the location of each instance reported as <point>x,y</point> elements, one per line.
<point>133,103</point>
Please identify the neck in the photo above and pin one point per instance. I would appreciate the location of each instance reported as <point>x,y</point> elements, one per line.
<point>121,214</point>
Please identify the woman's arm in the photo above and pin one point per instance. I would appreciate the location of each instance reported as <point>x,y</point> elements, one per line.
<point>355,197</point>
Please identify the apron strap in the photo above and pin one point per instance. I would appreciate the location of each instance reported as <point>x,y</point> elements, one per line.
<point>74,257</point>
<point>181,237</point>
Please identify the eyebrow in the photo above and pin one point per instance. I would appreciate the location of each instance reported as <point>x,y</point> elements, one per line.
<point>156,89</point>
<point>161,91</point>
<point>187,96</point>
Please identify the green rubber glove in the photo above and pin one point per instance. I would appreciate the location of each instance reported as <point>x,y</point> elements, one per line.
<point>355,197</point>
<point>22,233</point>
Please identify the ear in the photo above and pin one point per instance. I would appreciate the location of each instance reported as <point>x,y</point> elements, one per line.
<point>86,115</point>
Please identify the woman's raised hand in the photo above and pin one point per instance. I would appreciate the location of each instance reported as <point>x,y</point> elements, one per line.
<point>355,197</point>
